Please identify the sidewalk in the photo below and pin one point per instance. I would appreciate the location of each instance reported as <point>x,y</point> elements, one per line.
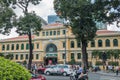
<point>104,73</point>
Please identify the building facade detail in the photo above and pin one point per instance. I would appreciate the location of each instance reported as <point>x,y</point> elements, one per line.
<point>49,45</point>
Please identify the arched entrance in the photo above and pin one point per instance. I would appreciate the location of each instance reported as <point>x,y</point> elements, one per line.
<point>51,54</point>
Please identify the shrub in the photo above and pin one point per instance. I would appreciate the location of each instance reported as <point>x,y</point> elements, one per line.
<point>99,63</point>
<point>12,71</point>
<point>72,62</point>
<point>113,63</point>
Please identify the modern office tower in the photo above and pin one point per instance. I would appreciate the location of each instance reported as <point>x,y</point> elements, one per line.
<point>53,19</point>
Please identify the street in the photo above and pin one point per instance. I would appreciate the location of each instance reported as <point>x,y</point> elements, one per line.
<point>92,76</point>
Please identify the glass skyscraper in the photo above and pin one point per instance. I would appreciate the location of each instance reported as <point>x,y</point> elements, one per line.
<point>53,19</point>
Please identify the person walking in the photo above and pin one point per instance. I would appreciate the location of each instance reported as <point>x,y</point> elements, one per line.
<point>117,70</point>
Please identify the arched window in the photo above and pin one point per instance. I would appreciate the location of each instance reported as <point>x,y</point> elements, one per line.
<point>72,44</point>
<point>12,48</point>
<point>92,43</point>
<point>107,43</point>
<point>78,55</point>
<point>99,43</point>
<point>78,44</point>
<point>72,56</point>
<point>115,42</point>
<point>54,32</point>
<point>58,32</point>
<point>37,56</point>
<point>22,46</point>
<point>32,45</point>
<point>3,47</point>
<point>8,47</point>
<point>16,57</point>
<point>17,46</point>
<point>27,46</point>
<point>51,48</point>
<point>37,45</point>
<point>21,56</point>
<point>26,56</point>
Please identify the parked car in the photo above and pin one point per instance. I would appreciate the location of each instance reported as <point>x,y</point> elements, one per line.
<point>59,69</point>
<point>37,77</point>
<point>42,69</point>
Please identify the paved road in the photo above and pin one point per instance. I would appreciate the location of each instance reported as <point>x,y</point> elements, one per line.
<point>101,76</point>
<point>57,77</point>
<point>92,76</point>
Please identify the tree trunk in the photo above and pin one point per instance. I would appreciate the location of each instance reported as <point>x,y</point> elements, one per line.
<point>84,55</point>
<point>30,51</point>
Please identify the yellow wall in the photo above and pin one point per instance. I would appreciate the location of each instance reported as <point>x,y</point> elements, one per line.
<point>43,41</point>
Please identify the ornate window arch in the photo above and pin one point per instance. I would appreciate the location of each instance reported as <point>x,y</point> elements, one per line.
<point>22,46</point>
<point>107,43</point>
<point>51,48</point>
<point>100,43</point>
<point>115,42</point>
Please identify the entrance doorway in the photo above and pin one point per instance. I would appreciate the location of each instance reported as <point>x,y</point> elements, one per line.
<point>50,60</point>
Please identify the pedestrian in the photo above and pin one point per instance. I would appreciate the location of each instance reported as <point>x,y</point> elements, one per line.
<point>72,75</point>
<point>117,70</point>
<point>34,68</point>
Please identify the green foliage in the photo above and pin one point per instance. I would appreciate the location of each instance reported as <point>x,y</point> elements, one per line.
<point>6,15</point>
<point>24,62</point>
<point>113,63</point>
<point>9,56</point>
<point>78,63</point>
<point>22,2</point>
<point>80,16</point>
<point>98,63</point>
<point>1,54</point>
<point>72,61</point>
<point>27,23</point>
<point>106,10</point>
<point>116,54</point>
<point>79,13</point>
<point>12,71</point>
<point>95,53</point>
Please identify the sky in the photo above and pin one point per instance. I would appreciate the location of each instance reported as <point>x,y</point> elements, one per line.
<point>44,9</point>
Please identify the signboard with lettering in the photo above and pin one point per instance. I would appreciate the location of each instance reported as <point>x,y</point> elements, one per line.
<point>51,55</point>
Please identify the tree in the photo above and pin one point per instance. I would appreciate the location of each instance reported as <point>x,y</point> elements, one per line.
<point>108,10</point>
<point>12,71</point>
<point>28,23</point>
<point>83,15</point>
<point>80,17</point>
<point>6,18</point>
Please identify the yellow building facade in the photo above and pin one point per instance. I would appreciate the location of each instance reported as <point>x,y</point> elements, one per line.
<point>49,45</point>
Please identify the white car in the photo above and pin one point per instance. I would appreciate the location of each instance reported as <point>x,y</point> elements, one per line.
<point>59,69</point>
